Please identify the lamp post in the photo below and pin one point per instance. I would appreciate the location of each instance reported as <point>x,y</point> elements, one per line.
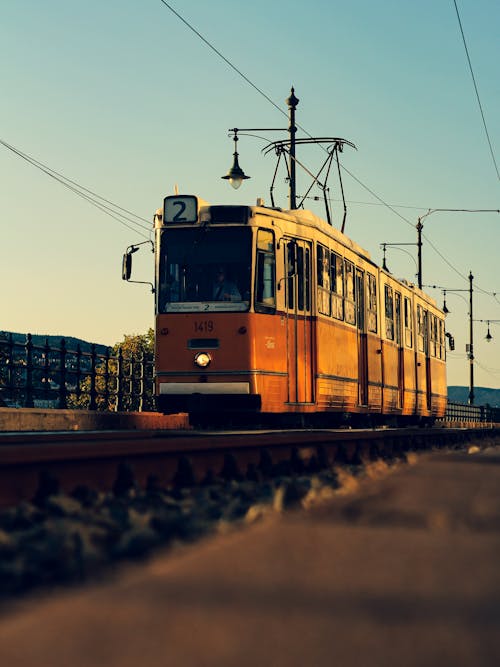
<point>420,226</point>
<point>397,246</point>
<point>235,175</point>
<point>470,347</point>
<point>287,147</point>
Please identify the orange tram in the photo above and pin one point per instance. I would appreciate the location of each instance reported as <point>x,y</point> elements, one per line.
<point>276,314</point>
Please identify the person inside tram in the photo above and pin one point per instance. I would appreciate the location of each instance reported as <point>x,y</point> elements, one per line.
<point>173,289</point>
<point>224,289</point>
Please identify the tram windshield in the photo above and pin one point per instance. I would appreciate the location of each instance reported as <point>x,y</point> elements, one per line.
<point>204,269</point>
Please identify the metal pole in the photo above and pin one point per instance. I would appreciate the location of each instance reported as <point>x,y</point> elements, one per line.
<point>471,343</point>
<point>419,251</point>
<point>292,102</point>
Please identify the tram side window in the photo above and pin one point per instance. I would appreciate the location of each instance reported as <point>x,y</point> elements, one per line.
<point>389,313</point>
<point>265,274</point>
<point>433,341</point>
<point>323,274</point>
<point>301,280</point>
<point>349,307</point>
<point>337,282</point>
<point>291,268</point>
<point>397,318</point>
<point>442,346</point>
<point>371,311</point>
<point>307,279</point>
<point>408,324</point>
<point>421,329</point>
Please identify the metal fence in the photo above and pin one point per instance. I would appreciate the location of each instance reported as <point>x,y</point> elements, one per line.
<point>48,376</point>
<point>45,376</point>
<point>459,412</point>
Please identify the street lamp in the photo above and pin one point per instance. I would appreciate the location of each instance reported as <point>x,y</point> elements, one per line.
<point>488,336</point>
<point>398,247</point>
<point>235,175</point>
<point>470,347</point>
<point>420,226</point>
<point>287,148</point>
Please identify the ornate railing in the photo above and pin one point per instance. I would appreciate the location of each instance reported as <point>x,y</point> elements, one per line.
<point>459,412</point>
<point>48,376</point>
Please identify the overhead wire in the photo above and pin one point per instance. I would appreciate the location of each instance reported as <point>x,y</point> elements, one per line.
<point>477,91</point>
<point>276,106</point>
<point>364,203</point>
<point>105,205</point>
<point>115,211</point>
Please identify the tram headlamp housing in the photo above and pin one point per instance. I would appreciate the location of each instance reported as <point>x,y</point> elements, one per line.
<point>202,359</point>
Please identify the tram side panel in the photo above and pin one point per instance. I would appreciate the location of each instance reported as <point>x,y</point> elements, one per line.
<point>268,363</point>
<point>374,373</point>
<point>337,366</point>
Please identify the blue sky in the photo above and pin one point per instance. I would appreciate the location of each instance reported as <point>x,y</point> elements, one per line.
<point>124,99</point>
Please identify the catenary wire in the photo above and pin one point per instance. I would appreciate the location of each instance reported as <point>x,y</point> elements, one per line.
<point>113,210</point>
<point>477,92</point>
<point>363,185</point>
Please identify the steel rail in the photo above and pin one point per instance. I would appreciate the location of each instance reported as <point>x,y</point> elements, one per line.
<point>93,458</point>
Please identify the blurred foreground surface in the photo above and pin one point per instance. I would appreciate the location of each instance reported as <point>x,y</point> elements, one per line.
<point>401,571</point>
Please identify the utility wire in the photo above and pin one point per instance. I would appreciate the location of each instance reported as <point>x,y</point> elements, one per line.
<point>477,92</point>
<point>364,203</point>
<point>113,210</point>
<point>276,106</point>
<point>228,62</point>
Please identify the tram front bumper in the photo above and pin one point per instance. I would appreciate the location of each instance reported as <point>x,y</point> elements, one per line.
<point>218,397</point>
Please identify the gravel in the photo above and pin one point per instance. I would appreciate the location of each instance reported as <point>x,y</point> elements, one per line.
<point>62,539</point>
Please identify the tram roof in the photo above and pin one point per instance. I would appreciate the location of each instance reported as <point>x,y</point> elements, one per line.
<point>311,220</point>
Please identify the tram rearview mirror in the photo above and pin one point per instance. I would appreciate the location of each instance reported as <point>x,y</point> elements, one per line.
<point>126,266</point>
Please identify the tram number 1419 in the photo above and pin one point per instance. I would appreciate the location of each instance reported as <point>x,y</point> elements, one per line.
<point>205,326</point>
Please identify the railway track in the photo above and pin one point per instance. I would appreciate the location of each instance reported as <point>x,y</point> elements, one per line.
<point>76,504</point>
<point>37,464</point>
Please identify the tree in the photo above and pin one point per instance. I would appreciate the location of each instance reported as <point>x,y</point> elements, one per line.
<point>124,380</point>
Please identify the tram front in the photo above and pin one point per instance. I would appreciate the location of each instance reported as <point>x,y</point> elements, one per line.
<point>203,297</point>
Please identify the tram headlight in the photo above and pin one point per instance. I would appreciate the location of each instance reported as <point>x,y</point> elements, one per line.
<point>202,359</point>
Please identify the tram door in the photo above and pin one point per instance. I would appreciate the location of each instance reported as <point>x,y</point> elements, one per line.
<point>423,322</point>
<point>362,339</point>
<point>398,334</point>
<point>299,338</point>
<point>428,378</point>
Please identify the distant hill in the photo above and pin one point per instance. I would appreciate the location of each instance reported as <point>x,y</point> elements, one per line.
<point>55,341</point>
<point>482,395</point>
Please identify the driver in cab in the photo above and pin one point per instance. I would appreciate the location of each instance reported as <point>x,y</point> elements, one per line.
<point>224,289</point>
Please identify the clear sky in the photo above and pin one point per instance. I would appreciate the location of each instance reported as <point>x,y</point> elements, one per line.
<point>124,99</point>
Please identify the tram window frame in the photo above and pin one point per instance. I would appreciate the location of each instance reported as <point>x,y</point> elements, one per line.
<point>349,292</point>
<point>301,279</point>
<point>371,306</point>
<point>323,279</point>
<point>307,279</point>
<point>397,318</point>
<point>433,336</point>
<point>408,322</point>
<point>442,346</point>
<point>337,283</point>
<point>421,328</point>
<point>389,312</point>
<point>265,263</point>
<point>291,268</point>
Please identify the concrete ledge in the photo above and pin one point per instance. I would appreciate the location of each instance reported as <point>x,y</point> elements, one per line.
<point>36,419</point>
